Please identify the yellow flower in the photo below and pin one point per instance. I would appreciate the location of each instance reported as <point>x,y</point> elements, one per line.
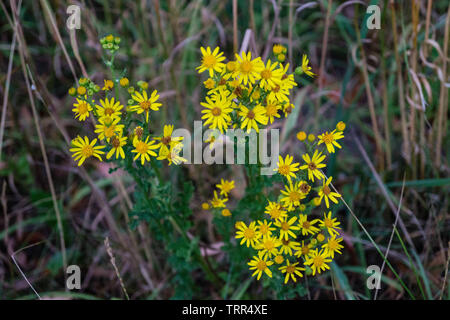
<point>272,108</point>
<point>330,224</point>
<point>81,91</point>
<point>286,227</point>
<point>211,61</point>
<point>318,261</point>
<point>109,107</point>
<point>293,195</point>
<point>209,84</point>
<point>260,265</point>
<point>279,259</point>
<point>268,246</point>
<point>288,245</point>
<point>226,213</point>
<point>279,93</point>
<point>251,117</point>
<point>307,227</point>
<point>143,149</point>
<point>340,126</point>
<point>225,186</point>
<point>330,140</point>
<point>301,135</point>
<point>81,109</point>
<point>275,211</point>
<point>167,141</point>
<point>278,48</point>
<point>124,82</point>
<point>333,245</point>
<point>270,76</point>
<point>304,250</point>
<point>171,154</point>
<point>107,129</point>
<point>313,165</point>
<point>217,111</point>
<point>281,57</point>
<point>291,271</point>
<point>249,235</point>
<point>218,202</point>
<point>325,192</point>
<point>248,70</point>
<point>265,228</point>
<point>83,149</point>
<point>311,137</point>
<point>117,143</point>
<point>286,167</point>
<point>108,85</point>
<point>305,68</point>
<point>144,103</point>
<point>205,206</point>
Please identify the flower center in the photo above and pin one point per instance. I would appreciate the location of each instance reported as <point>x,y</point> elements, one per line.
<point>115,142</point>
<point>312,166</point>
<point>141,147</point>
<point>216,111</point>
<point>326,190</point>
<point>109,131</point>
<point>246,67</point>
<point>166,140</point>
<point>305,250</point>
<point>327,138</point>
<point>263,229</point>
<point>285,242</point>
<point>276,88</point>
<point>251,115</point>
<point>145,105</point>
<point>269,245</point>
<point>295,196</point>
<point>271,110</point>
<point>275,213</point>
<point>266,74</point>
<point>304,187</point>
<point>290,269</point>
<point>87,151</point>
<point>332,245</point>
<point>109,111</point>
<point>284,169</point>
<point>249,233</point>
<point>285,226</point>
<point>82,108</point>
<point>328,222</point>
<point>209,61</point>
<point>261,265</point>
<point>318,261</point>
<point>306,225</point>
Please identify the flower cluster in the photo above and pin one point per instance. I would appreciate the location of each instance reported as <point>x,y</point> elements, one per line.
<point>121,131</point>
<point>291,237</point>
<point>244,93</point>
<point>219,200</point>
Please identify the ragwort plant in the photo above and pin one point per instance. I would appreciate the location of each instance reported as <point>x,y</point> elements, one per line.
<point>292,234</point>
<point>283,234</point>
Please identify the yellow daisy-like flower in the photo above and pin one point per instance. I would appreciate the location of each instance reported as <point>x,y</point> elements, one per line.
<point>291,271</point>
<point>251,117</point>
<point>272,108</point>
<point>304,250</point>
<point>144,103</point>
<point>108,85</point>
<point>211,61</point>
<point>329,223</point>
<point>326,193</point>
<point>307,69</point>
<point>83,149</point>
<point>260,265</point>
<point>248,70</point>
<point>171,154</point>
<point>278,48</point>
<point>330,140</point>
<point>250,235</point>
<point>270,76</point>
<point>107,129</point>
<point>293,195</point>
<point>287,80</point>
<point>117,143</point>
<point>275,211</point>
<point>268,246</point>
<point>167,141</point>
<point>209,84</point>
<point>286,227</point>
<point>265,228</point>
<point>313,165</point>
<point>109,107</point>
<point>225,186</point>
<point>286,167</point>
<point>287,246</point>
<point>333,245</point>
<point>81,109</point>
<point>318,260</point>
<point>143,149</point>
<point>217,202</point>
<point>307,227</point>
<point>217,112</point>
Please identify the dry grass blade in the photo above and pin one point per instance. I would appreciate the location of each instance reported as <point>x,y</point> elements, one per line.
<point>113,262</point>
